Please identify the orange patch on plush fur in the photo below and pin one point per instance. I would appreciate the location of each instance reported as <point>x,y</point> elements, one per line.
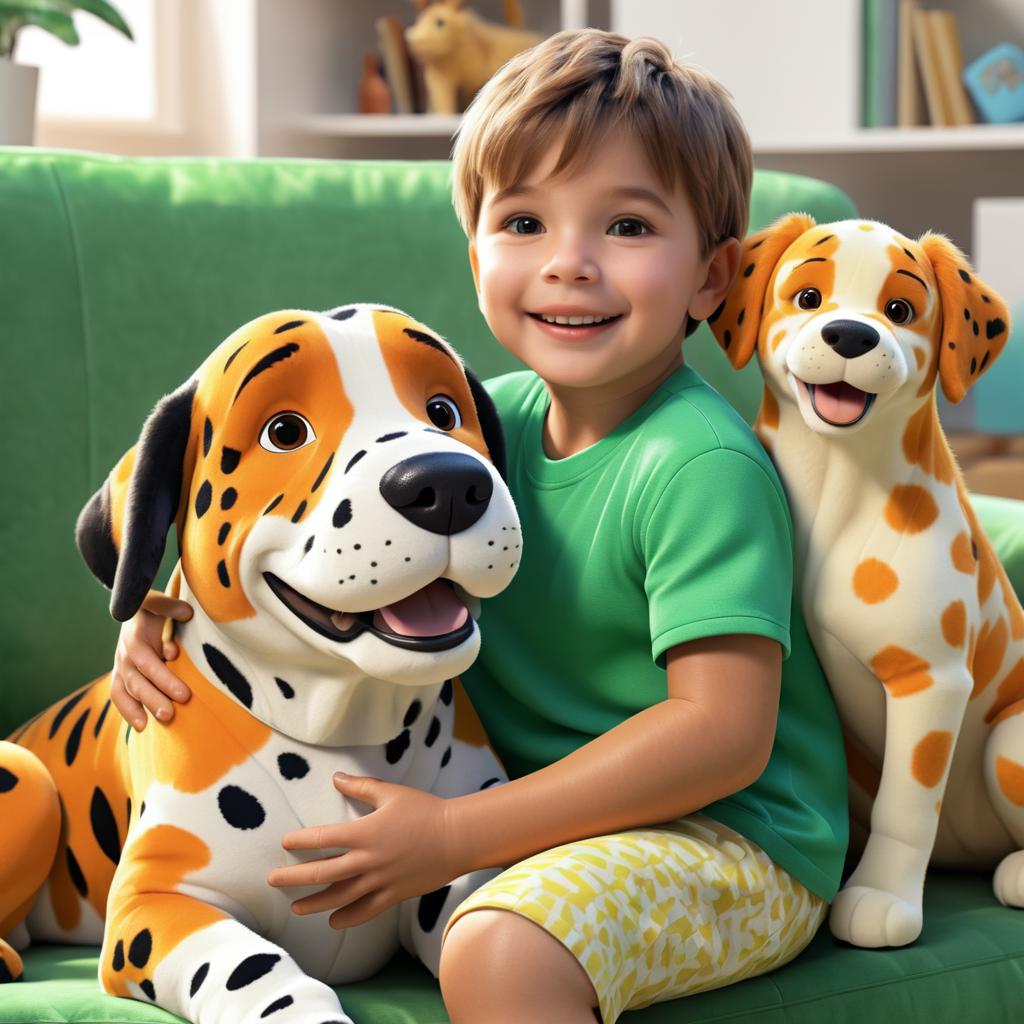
<point>992,643</point>
<point>769,410</point>
<point>901,671</point>
<point>910,509</point>
<point>930,757</point>
<point>874,581</point>
<point>925,445</point>
<point>954,623</point>
<point>962,553</point>
<point>1010,777</point>
<point>152,870</point>
<point>1009,697</point>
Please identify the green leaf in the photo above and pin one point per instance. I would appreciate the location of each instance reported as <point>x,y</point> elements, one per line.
<point>52,15</point>
<point>105,12</point>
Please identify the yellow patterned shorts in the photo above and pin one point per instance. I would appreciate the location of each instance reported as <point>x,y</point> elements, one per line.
<point>656,913</point>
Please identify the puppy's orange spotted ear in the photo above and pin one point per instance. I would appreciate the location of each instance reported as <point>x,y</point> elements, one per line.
<point>737,321</point>
<point>975,319</point>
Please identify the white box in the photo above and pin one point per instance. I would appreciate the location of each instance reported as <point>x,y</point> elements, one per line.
<point>793,66</point>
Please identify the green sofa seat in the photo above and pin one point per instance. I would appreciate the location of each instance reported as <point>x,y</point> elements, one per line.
<point>117,276</point>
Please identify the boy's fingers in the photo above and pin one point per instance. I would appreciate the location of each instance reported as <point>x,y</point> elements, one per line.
<point>167,607</point>
<point>341,894</point>
<point>130,709</point>
<point>316,872</point>
<point>139,687</point>
<point>171,651</point>
<point>154,671</point>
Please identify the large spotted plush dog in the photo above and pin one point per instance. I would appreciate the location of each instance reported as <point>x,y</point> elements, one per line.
<point>335,480</point>
<point>914,620</point>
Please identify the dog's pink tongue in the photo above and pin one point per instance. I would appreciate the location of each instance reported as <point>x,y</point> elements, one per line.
<point>432,611</point>
<point>839,402</point>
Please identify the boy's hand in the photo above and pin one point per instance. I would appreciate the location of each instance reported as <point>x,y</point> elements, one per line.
<point>140,680</point>
<point>400,849</point>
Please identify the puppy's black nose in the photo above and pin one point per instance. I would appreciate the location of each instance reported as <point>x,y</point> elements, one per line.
<point>443,492</point>
<point>849,338</point>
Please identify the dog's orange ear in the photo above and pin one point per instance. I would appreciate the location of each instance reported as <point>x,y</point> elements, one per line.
<point>737,321</point>
<point>975,319</point>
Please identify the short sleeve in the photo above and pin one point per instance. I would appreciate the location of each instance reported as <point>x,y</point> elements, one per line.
<point>718,553</point>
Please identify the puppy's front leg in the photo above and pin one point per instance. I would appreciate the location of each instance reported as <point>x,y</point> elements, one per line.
<point>880,905</point>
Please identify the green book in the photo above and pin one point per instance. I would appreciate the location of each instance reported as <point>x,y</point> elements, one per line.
<point>880,45</point>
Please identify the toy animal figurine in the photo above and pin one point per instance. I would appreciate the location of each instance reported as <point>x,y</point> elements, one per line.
<point>914,620</point>
<point>336,484</point>
<point>459,51</point>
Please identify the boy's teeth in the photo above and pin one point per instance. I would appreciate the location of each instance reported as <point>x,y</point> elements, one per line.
<point>574,320</point>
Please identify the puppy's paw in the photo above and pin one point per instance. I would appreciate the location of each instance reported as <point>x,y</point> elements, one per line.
<point>873,918</point>
<point>1008,881</point>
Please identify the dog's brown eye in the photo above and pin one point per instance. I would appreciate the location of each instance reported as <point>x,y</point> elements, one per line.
<point>444,413</point>
<point>286,432</point>
<point>808,298</point>
<point>899,311</point>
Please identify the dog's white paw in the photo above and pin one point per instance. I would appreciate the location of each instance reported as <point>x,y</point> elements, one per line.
<point>1008,881</point>
<point>873,918</point>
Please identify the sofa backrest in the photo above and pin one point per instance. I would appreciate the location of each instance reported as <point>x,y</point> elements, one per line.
<point>117,277</point>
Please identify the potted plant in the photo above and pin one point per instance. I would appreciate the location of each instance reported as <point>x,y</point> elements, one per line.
<point>18,82</point>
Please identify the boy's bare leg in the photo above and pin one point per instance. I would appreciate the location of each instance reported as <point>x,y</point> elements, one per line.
<point>498,967</point>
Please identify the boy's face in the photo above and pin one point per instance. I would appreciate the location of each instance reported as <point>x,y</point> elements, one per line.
<point>609,242</point>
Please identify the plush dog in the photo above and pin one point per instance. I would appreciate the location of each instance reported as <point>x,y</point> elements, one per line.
<point>912,616</point>
<point>336,484</point>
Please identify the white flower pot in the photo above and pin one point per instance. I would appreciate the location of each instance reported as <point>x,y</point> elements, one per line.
<point>17,103</point>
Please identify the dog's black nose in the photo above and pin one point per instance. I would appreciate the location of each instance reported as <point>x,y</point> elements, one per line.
<point>849,338</point>
<point>443,492</point>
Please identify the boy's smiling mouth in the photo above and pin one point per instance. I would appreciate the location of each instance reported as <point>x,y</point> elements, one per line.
<point>573,325</point>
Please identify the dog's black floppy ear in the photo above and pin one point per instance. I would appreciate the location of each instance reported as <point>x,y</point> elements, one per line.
<point>494,436</point>
<point>122,531</point>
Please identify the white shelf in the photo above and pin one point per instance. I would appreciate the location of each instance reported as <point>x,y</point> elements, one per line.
<point>378,126</point>
<point>991,137</point>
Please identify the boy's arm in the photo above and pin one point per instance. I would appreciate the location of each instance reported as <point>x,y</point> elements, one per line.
<point>710,738</point>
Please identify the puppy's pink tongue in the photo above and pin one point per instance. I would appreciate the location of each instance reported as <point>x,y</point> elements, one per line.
<point>839,402</point>
<point>432,611</point>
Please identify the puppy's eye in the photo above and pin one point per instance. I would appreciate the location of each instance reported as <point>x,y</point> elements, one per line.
<point>286,432</point>
<point>899,311</point>
<point>808,298</point>
<point>444,413</point>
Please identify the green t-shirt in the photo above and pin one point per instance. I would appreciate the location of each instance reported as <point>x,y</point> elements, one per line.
<point>673,527</point>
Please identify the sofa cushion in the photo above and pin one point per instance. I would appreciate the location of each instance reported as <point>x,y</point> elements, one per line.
<point>968,965</point>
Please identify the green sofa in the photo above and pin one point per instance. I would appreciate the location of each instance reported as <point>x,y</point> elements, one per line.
<point>117,276</point>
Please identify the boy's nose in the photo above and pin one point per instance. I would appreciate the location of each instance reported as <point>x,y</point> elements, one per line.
<point>570,262</point>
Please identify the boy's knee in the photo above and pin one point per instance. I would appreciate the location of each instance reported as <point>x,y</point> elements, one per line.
<point>499,958</point>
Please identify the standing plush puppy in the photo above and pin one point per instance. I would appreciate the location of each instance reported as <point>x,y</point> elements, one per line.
<point>914,620</point>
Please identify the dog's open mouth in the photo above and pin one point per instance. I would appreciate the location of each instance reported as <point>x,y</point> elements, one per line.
<point>434,618</point>
<point>838,404</point>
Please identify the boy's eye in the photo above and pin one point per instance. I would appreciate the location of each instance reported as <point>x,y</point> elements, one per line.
<point>523,225</point>
<point>629,227</point>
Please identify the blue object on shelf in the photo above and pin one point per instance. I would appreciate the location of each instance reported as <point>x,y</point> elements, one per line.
<point>996,84</point>
<point>997,395</point>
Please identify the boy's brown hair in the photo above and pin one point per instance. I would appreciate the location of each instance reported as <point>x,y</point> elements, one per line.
<point>586,83</point>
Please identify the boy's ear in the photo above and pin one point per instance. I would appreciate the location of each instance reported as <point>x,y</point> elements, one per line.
<point>969,343</point>
<point>722,265</point>
<point>737,321</point>
<point>474,265</point>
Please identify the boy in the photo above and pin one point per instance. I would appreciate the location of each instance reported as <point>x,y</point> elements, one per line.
<point>632,674</point>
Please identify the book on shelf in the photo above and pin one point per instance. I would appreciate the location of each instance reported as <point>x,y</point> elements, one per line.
<point>910,102</point>
<point>950,59</point>
<point>913,66</point>
<point>399,66</point>
<point>928,62</point>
